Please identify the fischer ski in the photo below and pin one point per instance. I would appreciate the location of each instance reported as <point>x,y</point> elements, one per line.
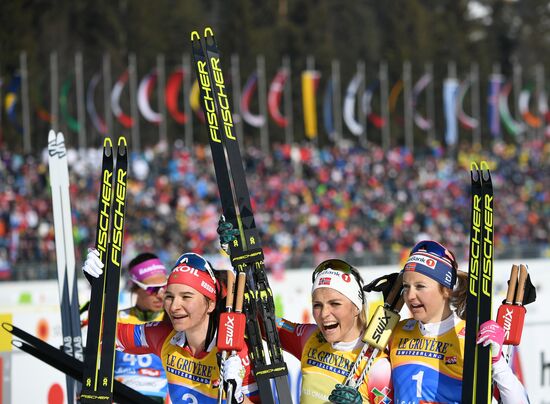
<point>64,248</point>
<point>476,382</point>
<point>246,252</point>
<point>97,383</point>
<point>67,364</point>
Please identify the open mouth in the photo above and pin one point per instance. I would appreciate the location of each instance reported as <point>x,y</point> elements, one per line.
<point>330,326</point>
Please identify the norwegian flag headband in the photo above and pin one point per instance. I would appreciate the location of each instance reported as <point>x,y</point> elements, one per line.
<point>341,281</point>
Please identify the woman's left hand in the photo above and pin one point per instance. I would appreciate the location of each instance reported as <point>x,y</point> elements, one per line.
<point>490,332</point>
<point>233,373</point>
<point>345,395</point>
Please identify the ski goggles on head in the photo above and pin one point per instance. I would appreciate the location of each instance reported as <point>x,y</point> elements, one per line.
<point>435,248</point>
<point>337,265</point>
<point>193,270</point>
<point>337,274</point>
<point>150,289</point>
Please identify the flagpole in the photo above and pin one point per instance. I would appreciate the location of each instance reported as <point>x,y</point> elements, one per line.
<point>236,81</point>
<point>496,74</point>
<point>384,106</point>
<point>517,84</point>
<point>429,69</point>
<point>132,91</point>
<point>287,94</point>
<point>539,85</point>
<point>361,113</point>
<point>54,91</point>
<point>25,102</point>
<point>1,107</point>
<point>407,101</point>
<point>337,101</point>
<point>474,98</point>
<point>262,100</point>
<point>161,84</point>
<point>81,116</point>
<point>107,86</point>
<point>186,89</point>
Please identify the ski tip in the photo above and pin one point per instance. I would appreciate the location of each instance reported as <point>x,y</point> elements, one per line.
<point>473,166</point>
<point>208,32</point>
<point>51,136</point>
<point>122,146</point>
<point>7,326</point>
<point>60,138</point>
<point>107,142</point>
<point>485,173</point>
<point>195,36</point>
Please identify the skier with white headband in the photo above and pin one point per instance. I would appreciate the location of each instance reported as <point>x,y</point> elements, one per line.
<point>328,349</point>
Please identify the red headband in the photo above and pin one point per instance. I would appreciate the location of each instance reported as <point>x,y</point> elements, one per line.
<point>199,280</point>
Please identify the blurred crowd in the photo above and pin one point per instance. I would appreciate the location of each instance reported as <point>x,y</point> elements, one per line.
<point>309,203</point>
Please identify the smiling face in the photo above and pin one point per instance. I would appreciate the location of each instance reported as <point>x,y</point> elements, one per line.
<point>336,316</point>
<point>427,300</point>
<point>187,308</point>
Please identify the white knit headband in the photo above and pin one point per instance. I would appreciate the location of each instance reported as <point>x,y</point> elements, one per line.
<point>341,282</point>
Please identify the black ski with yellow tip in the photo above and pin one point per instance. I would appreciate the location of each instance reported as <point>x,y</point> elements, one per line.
<point>97,382</point>
<point>246,252</point>
<point>476,381</point>
<point>67,364</point>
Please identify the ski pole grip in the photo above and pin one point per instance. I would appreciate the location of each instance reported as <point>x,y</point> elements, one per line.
<point>230,290</point>
<point>399,305</point>
<point>241,283</point>
<point>512,284</point>
<point>521,285</point>
<point>395,291</point>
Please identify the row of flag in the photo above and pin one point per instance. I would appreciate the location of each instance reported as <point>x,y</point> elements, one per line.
<point>362,104</point>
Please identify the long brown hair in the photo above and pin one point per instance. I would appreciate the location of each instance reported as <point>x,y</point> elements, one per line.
<point>458,296</point>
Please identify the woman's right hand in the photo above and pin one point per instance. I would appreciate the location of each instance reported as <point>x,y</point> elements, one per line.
<point>227,233</point>
<point>93,265</point>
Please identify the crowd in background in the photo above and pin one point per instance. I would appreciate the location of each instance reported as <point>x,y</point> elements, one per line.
<point>309,203</point>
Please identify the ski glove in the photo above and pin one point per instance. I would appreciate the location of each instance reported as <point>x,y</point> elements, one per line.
<point>93,266</point>
<point>490,332</point>
<point>345,395</point>
<point>383,284</point>
<point>227,233</point>
<point>233,372</point>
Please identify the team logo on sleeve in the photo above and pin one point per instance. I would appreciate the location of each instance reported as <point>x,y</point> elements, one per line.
<point>450,360</point>
<point>381,397</point>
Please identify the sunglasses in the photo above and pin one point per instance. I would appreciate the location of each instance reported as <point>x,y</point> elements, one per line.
<point>435,248</point>
<point>340,266</point>
<point>150,289</point>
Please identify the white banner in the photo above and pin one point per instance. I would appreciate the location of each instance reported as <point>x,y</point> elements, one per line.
<point>34,307</point>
